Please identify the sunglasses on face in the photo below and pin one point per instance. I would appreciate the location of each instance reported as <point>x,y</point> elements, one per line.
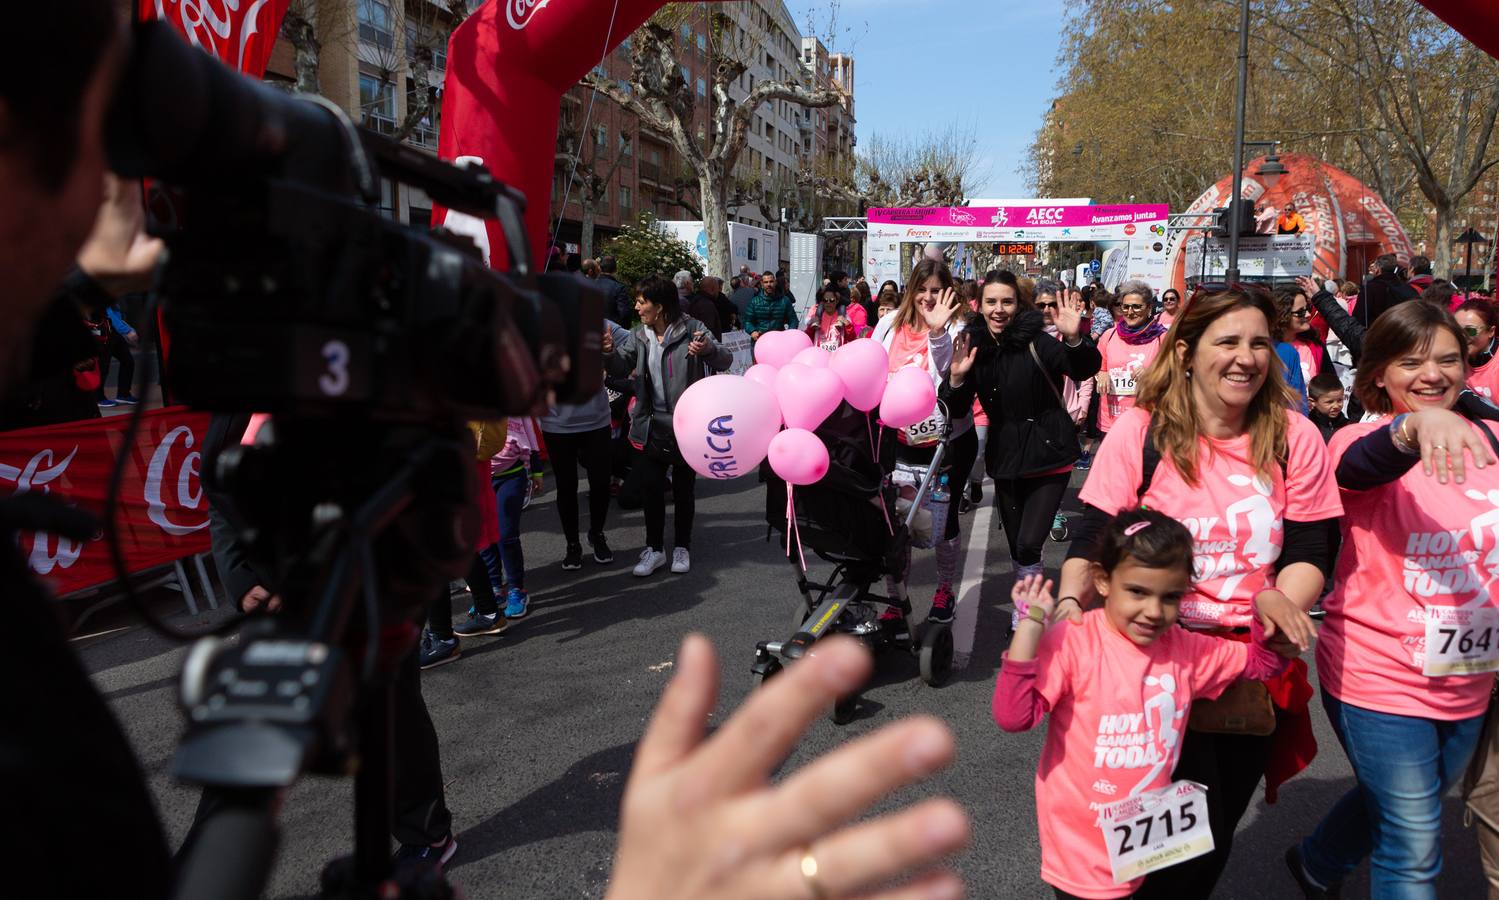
<point>1051,305</point>
<point>1301,313</point>
<point>1131,307</point>
<point>1472,330</point>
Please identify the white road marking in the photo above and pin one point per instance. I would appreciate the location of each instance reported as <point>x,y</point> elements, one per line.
<point>966,615</point>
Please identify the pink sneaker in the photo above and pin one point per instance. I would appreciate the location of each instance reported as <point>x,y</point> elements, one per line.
<point>943,603</point>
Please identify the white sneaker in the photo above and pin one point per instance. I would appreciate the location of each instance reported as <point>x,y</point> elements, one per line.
<point>681,562</point>
<point>650,561</point>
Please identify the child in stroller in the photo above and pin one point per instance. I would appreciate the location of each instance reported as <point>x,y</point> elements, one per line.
<point>850,519</point>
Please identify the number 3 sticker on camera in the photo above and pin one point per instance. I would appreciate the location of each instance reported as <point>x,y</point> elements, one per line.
<point>1461,641</point>
<point>1156,829</point>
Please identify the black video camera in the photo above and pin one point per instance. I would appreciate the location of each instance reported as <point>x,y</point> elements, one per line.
<point>287,290</point>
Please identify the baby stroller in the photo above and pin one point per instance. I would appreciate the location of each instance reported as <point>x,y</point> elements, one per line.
<point>849,519</point>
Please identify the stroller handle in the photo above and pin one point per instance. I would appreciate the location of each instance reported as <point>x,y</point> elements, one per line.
<point>931,471</point>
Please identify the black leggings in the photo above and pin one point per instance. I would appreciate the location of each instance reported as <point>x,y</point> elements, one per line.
<point>1026,507</point>
<point>440,610</point>
<point>652,473</point>
<point>964,449</point>
<point>568,451</point>
<point>1231,766</point>
<point>117,349</point>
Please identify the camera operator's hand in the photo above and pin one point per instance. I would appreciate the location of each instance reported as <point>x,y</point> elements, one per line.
<point>257,596</point>
<point>700,818</point>
<point>118,254</point>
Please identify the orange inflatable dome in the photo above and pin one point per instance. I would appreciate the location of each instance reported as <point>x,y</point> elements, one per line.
<point>1350,221</point>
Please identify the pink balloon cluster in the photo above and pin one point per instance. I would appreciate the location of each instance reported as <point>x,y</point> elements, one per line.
<point>727,425</point>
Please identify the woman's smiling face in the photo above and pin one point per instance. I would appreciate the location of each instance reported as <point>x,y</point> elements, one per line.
<point>998,306</point>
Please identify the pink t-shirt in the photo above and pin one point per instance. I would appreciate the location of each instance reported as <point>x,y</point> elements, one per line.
<point>1122,364</point>
<point>1236,519</point>
<point>1306,354</point>
<point>1118,715</point>
<point>1484,380</point>
<point>1408,544</point>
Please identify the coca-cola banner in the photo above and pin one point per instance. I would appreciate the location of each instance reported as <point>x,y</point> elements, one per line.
<point>238,32</point>
<point>163,513</point>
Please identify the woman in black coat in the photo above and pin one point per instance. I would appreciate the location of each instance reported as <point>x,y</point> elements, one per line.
<point>1016,370</point>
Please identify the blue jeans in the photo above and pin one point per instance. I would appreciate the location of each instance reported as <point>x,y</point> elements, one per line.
<point>509,496</point>
<point>1394,815</point>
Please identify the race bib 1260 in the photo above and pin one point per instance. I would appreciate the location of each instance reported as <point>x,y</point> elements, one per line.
<point>1461,641</point>
<point>1150,831</point>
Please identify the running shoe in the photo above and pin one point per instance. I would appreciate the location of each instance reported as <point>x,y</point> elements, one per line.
<point>893,621</point>
<point>1084,461</point>
<point>943,603</point>
<point>965,506</point>
<point>650,561</point>
<point>436,651</point>
<point>127,399</point>
<point>573,561</point>
<point>477,624</point>
<point>1059,527</point>
<point>601,552</point>
<point>1310,889</point>
<point>106,403</point>
<point>681,561</point>
<point>517,603</point>
<point>423,855</point>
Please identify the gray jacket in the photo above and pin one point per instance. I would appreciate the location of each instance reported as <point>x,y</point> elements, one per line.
<point>679,371</point>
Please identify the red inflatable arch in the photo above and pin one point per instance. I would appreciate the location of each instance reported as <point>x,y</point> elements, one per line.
<point>508,66</point>
<point>1350,220</point>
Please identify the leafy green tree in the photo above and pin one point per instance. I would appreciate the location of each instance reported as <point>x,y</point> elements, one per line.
<point>646,248</point>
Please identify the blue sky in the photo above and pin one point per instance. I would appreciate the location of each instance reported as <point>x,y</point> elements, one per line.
<point>921,64</point>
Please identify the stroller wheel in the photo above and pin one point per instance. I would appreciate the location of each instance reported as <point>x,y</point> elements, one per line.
<point>936,654</point>
<point>845,709</point>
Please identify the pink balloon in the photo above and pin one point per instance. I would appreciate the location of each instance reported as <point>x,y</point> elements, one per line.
<point>863,367</point>
<point>814,357</point>
<point>909,397</point>
<point>763,373</point>
<point>724,425</point>
<point>807,395</point>
<point>798,456</point>
<point>776,348</point>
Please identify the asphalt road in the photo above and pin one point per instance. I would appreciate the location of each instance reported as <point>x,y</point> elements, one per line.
<point>537,726</point>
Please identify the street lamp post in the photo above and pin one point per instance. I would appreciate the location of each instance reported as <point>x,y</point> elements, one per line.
<point>1469,237</point>
<point>1234,217</point>
<point>1269,171</point>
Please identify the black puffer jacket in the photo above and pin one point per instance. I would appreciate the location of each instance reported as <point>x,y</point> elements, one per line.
<point>1030,431</point>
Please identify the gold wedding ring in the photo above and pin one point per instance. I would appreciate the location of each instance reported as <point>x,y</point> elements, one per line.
<point>809,876</point>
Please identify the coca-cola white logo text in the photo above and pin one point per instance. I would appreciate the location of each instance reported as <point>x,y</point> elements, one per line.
<point>209,22</point>
<point>37,474</point>
<point>189,489</point>
<point>520,12</point>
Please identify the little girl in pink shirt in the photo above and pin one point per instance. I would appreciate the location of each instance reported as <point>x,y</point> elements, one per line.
<point>1117,684</point>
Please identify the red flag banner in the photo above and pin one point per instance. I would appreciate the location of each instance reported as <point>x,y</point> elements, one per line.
<point>163,514</point>
<point>239,32</point>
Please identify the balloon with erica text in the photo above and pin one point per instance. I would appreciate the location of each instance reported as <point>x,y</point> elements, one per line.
<point>777,348</point>
<point>813,357</point>
<point>765,374</point>
<point>909,398</point>
<point>724,425</point>
<point>798,457</point>
<point>807,395</point>
<point>863,366</point>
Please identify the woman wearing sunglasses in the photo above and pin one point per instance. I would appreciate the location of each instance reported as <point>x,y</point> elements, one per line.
<point>1299,347</point>
<point>1171,301</point>
<point>1477,319</point>
<point>1127,349</point>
